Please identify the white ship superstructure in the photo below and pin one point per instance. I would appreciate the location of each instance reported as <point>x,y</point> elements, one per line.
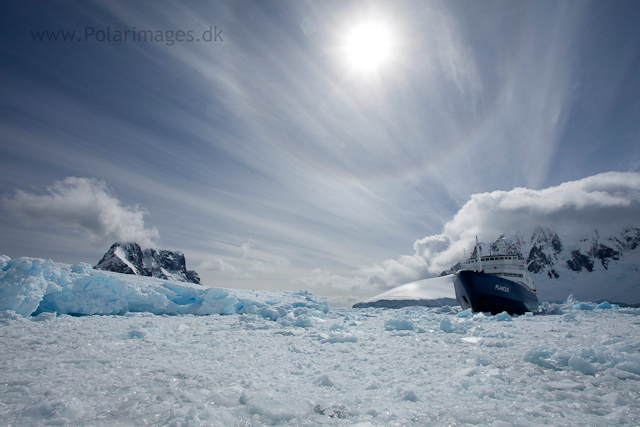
<point>510,267</point>
<point>496,282</point>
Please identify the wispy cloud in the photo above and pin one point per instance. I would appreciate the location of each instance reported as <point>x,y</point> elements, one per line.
<point>85,206</point>
<point>254,262</point>
<point>246,248</point>
<point>219,265</point>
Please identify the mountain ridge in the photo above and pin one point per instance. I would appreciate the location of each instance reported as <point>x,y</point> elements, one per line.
<point>130,258</point>
<point>589,267</point>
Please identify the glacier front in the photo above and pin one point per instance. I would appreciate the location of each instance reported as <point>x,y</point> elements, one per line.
<point>30,286</point>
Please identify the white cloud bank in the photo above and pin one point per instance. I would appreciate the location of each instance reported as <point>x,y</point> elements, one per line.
<point>85,206</point>
<point>606,202</point>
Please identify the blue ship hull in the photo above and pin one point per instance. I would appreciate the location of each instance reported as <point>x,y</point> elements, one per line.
<point>489,293</point>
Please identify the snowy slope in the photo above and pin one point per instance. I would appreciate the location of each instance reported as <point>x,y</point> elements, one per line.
<point>434,292</point>
<point>120,254</point>
<point>32,285</point>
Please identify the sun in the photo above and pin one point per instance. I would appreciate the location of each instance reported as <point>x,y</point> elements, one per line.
<point>368,46</point>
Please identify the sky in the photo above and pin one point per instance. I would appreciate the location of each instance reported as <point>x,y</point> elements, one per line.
<point>340,147</point>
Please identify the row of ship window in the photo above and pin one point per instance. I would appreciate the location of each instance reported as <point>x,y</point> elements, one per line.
<point>510,275</point>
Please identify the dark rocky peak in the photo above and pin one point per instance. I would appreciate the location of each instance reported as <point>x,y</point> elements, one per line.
<point>122,257</point>
<point>579,261</point>
<point>452,270</point>
<point>129,258</point>
<point>628,240</point>
<point>505,246</point>
<point>545,247</point>
<point>547,239</point>
<point>611,249</point>
<point>169,260</point>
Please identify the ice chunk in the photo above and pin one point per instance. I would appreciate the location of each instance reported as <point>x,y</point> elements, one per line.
<point>603,306</point>
<point>631,366</point>
<point>216,301</point>
<point>502,317</point>
<point>399,325</point>
<point>23,285</point>
<point>3,261</point>
<point>82,268</point>
<point>338,338</point>
<point>615,399</point>
<point>581,365</point>
<point>138,333</point>
<point>541,356</point>
<point>373,386</point>
<point>550,308</point>
<point>483,360</point>
<point>446,325</point>
<point>409,395</point>
<point>60,411</point>
<point>563,385</point>
<point>465,313</point>
<point>304,322</point>
<point>44,317</point>
<point>324,381</point>
<point>10,315</point>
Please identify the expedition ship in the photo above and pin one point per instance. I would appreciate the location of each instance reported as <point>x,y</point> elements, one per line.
<point>495,283</point>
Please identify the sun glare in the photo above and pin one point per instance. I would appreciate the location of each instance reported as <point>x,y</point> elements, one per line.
<point>368,46</point>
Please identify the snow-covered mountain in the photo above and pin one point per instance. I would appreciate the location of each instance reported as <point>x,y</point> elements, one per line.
<point>129,258</point>
<point>593,268</point>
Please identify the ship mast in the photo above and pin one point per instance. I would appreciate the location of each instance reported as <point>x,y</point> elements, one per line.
<point>478,255</point>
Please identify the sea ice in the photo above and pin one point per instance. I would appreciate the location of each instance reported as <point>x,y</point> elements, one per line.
<point>287,359</point>
<point>399,325</point>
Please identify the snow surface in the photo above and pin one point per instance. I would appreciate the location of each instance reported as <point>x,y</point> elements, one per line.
<point>426,289</point>
<point>285,358</point>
